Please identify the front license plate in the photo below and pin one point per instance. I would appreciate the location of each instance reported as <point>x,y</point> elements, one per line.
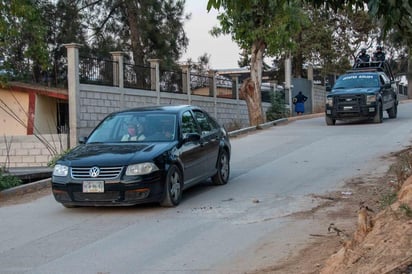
<point>93,186</point>
<point>347,108</point>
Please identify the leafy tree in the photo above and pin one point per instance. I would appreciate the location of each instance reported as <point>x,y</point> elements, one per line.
<point>260,28</point>
<point>66,24</point>
<point>146,28</point>
<point>23,36</point>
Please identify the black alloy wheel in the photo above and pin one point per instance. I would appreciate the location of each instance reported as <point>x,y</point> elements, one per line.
<point>223,169</point>
<point>173,187</point>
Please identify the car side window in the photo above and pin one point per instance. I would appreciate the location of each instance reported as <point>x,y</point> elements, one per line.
<point>188,124</point>
<point>205,122</point>
<point>384,79</point>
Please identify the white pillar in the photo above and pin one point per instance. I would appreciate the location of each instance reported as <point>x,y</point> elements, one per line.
<point>73,92</point>
<point>186,82</point>
<point>288,82</point>
<point>155,77</point>
<point>118,74</point>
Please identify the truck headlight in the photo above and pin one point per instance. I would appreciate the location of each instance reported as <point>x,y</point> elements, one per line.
<point>370,99</point>
<point>60,170</point>
<point>329,101</point>
<point>141,169</point>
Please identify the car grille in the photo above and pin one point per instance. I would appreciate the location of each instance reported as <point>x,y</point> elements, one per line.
<point>104,173</point>
<point>96,197</point>
<point>350,103</point>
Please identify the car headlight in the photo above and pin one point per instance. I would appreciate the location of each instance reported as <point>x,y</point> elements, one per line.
<point>141,169</point>
<point>329,101</point>
<point>370,99</point>
<point>60,170</point>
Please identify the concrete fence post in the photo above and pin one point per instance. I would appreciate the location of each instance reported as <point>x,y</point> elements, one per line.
<point>235,93</point>
<point>73,92</point>
<point>213,87</point>
<point>118,68</point>
<point>155,77</point>
<point>186,82</point>
<point>312,94</point>
<point>118,74</point>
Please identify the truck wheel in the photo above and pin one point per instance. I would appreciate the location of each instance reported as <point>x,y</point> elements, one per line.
<point>378,118</point>
<point>393,111</point>
<point>330,121</point>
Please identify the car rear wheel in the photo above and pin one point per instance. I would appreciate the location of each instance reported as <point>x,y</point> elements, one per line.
<point>173,187</point>
<point>223,169</point>
<point>393,111</point>
<point>378,118</point>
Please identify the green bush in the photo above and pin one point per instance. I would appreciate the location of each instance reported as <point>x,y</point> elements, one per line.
<point>8,181</point>
<point>277,109</point>
<point>387,199</point>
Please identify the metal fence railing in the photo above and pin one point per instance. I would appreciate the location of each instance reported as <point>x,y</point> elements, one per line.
<point>200,84</point>
<point>97,72</point>
<point>224,86</point>
<point>106,72</point>
<point>136,76</point>
<point>171,81</point>
<point>55,76</point>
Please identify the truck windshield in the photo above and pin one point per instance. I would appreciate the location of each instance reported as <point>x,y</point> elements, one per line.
<point>357,81</point>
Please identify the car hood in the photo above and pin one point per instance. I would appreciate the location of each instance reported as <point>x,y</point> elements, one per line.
<point>114,154</point>
<point>354,91</point>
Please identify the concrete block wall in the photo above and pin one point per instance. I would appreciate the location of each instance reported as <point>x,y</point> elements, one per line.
<point>96,102</point>
<point>319,97</point>
<point>29,151</point>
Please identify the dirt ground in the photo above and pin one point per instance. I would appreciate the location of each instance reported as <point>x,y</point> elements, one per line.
<point>368,231</point>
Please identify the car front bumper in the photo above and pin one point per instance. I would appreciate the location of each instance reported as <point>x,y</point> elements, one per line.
<point>350,112</point>
<point>116,193</point>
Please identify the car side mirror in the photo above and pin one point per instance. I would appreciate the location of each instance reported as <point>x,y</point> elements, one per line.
<point>82,140</point>
<point>191,137</point>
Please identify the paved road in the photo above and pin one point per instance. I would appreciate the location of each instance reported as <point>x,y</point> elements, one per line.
<point>227,229</point>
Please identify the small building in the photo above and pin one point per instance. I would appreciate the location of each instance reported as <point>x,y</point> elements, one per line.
<point>27,109</point>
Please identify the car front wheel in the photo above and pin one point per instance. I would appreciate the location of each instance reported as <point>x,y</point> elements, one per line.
<point>330,121</point>
<point>223,169</point>
<point>379,114</point>
<point>173,187</point>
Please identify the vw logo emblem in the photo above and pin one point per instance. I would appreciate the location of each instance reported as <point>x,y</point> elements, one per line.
<point>94,172</point>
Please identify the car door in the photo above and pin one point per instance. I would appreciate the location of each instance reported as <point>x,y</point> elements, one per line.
<point>210,139</point>
<point>193,153</point>
<point>387,94</point>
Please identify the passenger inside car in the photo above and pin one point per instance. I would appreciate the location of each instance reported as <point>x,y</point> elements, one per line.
<point>134,132</point>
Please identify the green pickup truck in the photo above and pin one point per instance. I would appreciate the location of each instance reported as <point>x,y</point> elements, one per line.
<point>364,92</point>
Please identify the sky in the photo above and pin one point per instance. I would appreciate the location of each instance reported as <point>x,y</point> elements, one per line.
<point>223,53</point>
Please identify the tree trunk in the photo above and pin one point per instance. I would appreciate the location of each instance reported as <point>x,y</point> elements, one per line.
<point>409,75</point>
<point>133,13</point>
<point>250,89</point>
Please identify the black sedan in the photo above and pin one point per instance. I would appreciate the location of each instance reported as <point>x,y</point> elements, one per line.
<point>143,155</point>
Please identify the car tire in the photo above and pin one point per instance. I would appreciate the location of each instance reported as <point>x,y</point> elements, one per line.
<point>378,118</point>
<point>330,121</point>
<point>223,169</point>
<point>173,187</point>
<point>393,111</point>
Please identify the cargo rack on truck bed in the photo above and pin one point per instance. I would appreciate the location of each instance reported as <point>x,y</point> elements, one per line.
<point>373,66</point>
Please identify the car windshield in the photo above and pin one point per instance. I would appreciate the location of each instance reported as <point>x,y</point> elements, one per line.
<point>357,81</point>
<point>135,127</point>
